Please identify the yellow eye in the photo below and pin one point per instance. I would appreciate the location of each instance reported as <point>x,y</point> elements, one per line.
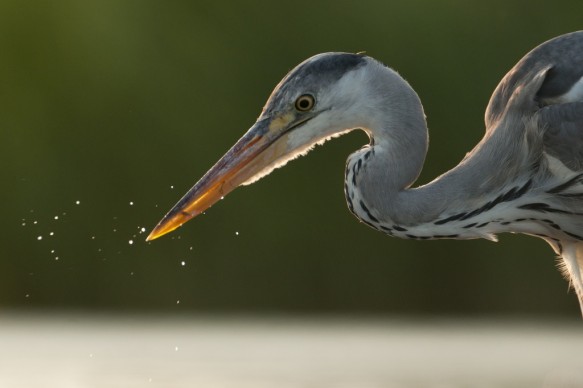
<point>305,102</point>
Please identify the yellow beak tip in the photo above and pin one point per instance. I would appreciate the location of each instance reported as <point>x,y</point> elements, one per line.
<point>167,225</point>
<point>159,232</point>
<point>154,234</point>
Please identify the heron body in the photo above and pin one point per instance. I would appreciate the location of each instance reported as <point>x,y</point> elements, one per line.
<point>524,176</point>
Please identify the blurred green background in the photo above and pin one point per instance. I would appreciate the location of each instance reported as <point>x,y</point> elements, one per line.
<point>111,110</point>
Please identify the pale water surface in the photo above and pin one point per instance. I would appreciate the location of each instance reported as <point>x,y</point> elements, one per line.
<point>234,352</point>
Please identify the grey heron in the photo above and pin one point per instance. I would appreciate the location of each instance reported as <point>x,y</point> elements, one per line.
<point>524,176</point>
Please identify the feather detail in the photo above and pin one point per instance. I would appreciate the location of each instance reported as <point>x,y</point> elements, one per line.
<point>572,267</point>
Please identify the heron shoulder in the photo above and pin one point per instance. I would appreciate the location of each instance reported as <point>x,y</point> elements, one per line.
<point>561,60</point>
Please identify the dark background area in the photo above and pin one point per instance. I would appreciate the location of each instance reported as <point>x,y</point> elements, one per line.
<point>111,110</point>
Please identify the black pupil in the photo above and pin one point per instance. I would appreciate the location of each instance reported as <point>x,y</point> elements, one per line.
<point>304,103</point>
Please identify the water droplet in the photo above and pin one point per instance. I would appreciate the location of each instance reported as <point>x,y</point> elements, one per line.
<point>131,242</point>
<point>236,233</point>
<point>131,203</point>
<point>178,301</point>
<point>172,187</point>
<point>176,348</point>
<point>183,263</point>
<point>39,238</point>
<point>52,234</point>
<point>56,217</point>
<point>57,258</point>
<point>77,202</point>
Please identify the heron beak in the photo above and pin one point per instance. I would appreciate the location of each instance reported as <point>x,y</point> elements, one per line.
<point>251,154</point>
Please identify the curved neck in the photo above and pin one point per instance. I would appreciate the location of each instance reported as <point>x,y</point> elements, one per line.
<point>394,159</point>
<point>506,165</point>
<point>397,153</point>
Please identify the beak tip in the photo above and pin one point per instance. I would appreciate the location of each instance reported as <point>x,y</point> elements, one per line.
<point>159,231</point>
<point>154,234</point>
<point>167,225</point>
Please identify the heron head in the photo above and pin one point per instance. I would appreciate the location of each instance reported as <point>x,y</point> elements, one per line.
<point>313,102</point>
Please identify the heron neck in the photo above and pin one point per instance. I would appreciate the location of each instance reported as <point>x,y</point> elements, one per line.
<point>382,174</point>
<point>505,163</point>
<point>476,180</point>
<point>399,143</point>
<point>384,183</point>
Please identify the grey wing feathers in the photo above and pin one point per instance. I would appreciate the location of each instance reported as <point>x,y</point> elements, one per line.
<point>561,95</point>
<point>566,58</point>
<point>562,56</point>
<point>563,133</point>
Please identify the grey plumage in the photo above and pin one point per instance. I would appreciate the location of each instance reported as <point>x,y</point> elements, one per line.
<point>524,176</point>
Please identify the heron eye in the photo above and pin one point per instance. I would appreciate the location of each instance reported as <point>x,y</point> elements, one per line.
<point>305,102</point>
